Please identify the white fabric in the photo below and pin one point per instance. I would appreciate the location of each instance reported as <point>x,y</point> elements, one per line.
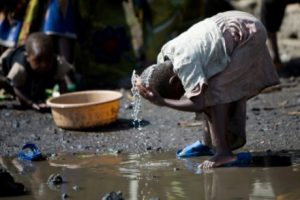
<point>197,54</point>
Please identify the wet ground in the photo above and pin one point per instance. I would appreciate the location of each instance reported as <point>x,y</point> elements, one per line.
<point>152,176</point>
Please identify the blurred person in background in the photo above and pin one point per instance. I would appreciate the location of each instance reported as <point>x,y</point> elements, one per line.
<point>272,14</point>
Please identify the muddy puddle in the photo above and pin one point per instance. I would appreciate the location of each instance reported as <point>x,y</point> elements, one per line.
<point>151,176</point>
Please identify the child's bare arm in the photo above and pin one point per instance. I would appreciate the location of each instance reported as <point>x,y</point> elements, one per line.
<point>194,105</point>
<point>23,98</point>
<point>183,105</point>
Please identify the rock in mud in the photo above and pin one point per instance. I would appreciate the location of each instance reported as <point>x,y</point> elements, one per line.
<point>55,179</point>
<point>8,186</point>
<point>64,196</point>
<point>113,196</point>
<point>75,187</point>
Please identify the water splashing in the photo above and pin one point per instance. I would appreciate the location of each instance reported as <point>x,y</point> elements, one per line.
<point>136,102</point>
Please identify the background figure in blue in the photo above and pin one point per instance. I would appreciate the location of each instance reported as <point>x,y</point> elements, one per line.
<point>272,13</point>
<point>60,24</point>
<point>11,16</point>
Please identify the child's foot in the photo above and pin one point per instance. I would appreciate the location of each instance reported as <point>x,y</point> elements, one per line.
<point>216,161</point>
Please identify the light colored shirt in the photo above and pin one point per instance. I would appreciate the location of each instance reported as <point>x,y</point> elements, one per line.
<point>197,54</point>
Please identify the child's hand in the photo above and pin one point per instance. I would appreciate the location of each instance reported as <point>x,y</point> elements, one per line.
<point>40,106</point>
<point>43,105</point>
<point>149,93</point>
<point>35,106</point>
<point>154,97</point>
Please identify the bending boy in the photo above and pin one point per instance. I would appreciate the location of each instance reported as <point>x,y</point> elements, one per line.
<point>217,64</point>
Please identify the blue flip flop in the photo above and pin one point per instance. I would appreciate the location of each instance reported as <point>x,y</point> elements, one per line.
<point>243,159</point>
<point>195,149</point>
<point>30,152</point>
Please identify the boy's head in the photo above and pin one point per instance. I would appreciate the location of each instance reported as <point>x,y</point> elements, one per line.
<point>40,52</point>
<point>161,78</point>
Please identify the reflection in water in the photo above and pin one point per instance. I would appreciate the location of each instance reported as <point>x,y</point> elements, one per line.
<point>177,189</point>
<point>147,176</point>
<point>133,189</point>
<point>262,191</point>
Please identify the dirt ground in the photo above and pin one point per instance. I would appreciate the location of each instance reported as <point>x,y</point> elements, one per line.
<point>273,123</point>
<point>273,119</point>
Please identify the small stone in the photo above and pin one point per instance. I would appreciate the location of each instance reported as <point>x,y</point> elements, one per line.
<point>55,179</point>
<point>16,125</point>
<point>158,149</point>
<point>113,196</point>
<point>76,187</point>
<point>64,196</point>
<point>176,169</point>
<point>149,148</point>
<point>128,106</point>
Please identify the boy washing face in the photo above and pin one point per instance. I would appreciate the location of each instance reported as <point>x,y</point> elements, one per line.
<point>217,64</point>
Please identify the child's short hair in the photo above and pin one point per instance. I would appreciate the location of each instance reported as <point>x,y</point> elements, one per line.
<point>157,77</point>
<point>39,43</point>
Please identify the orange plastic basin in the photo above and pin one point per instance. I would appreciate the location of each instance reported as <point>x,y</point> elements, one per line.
<point>86,109</point>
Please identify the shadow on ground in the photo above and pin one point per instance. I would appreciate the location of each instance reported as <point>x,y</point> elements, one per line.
<point>119,125</point>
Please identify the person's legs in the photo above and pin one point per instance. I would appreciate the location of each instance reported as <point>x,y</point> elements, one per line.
<point>274,51</point>
<point>65,48</point>
<point>225,131</point>
<point>218,121</point>
<point>206,138</point>
<point>272,14</point>
<point>236,128</point>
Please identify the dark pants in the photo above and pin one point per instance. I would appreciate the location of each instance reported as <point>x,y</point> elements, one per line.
<point>272,13</point>
<point>213,7</point>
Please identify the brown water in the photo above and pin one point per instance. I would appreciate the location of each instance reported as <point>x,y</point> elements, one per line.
<point>158,176</point>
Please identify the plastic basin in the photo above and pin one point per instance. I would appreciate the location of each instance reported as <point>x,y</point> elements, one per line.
<point>85,109</point>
